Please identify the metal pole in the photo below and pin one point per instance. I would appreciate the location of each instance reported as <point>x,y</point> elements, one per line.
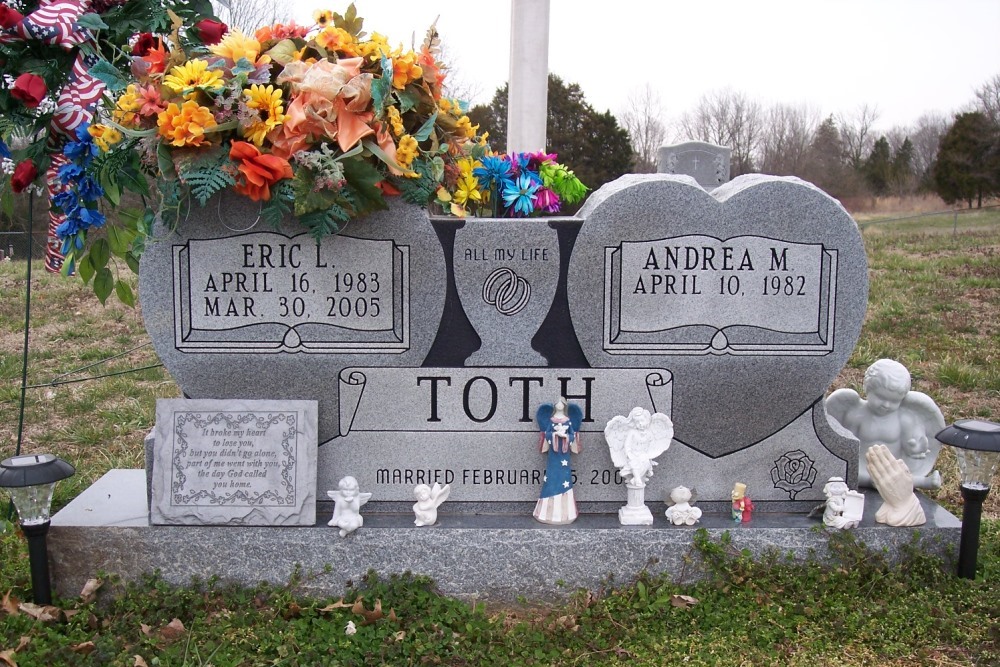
<point>27,329</point>
<point>968,550</point>
<point>954,229</point>
<point>38,557</point>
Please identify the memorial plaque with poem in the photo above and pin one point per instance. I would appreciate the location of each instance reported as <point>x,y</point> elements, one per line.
<point>235,463</point>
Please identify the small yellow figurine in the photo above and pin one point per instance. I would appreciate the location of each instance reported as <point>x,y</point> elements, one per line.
<point>742,505</point>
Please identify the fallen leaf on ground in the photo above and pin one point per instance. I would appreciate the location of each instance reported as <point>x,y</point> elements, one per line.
<point>339,604</point>
<point>9,604</point>
<point>44,614</point>
<point>292,611</point>
<point>172,630</point>
<point>683,601</point>
<point>21,644</point>
<point>139,662</point>
<point>89,592</point>
<point>400,636</point>
<point>86,648</point>
<point>369,616</point>
<point>70,613</point>
<point>146,630</point>
<point>7,658</point>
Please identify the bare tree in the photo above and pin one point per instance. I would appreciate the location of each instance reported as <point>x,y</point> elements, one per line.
<point>786,138</point>
<point>988,99</point>
<point>643,118</point>
<point>456,85</point>
<point>248,15</point>
<point>727,118</point>
<point>856,133</point>
<point>926,137</point>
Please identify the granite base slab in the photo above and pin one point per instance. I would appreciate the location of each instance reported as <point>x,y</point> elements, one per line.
<point>498,558</point>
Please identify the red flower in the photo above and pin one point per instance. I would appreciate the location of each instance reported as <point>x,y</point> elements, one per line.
<point>25,174</point>
<point>9,17</point>
<point>145,42</point>
<point>30,89</point>
<point>259,171</point>
<point>210,31</point>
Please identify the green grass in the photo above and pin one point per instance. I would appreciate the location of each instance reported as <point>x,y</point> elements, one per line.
<point>934,305</point>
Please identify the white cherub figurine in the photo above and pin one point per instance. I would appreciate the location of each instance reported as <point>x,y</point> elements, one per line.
<point>348,500</point>
<point>636,440</point>
<point>904,421</point>
<point>844,508</point>
<point>681,511</point>
<point>428,501</point>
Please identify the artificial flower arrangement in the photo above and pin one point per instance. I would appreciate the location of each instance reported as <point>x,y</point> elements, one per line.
<point>321,122</point>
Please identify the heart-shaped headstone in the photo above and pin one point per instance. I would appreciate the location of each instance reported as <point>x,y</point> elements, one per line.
<point>238,309</point>
<point>753,296</point>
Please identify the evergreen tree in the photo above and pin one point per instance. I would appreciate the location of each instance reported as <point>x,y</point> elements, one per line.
<point>902,167</point>
<point>877,168</point>
<point>592,144</point>
<point>968,162</point>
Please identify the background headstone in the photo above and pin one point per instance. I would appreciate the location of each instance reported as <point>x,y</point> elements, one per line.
<point>239,463</point>
<point>706,163</point>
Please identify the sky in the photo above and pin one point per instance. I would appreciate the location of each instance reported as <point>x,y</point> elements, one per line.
<point>907,57</point>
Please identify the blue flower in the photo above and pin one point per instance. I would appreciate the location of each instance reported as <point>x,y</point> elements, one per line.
<point>69,173</point>
<point>65,200</point>
<point>4,150</point>
<point>519,194</point>
<point>92,217</point>
<point>90,190</point>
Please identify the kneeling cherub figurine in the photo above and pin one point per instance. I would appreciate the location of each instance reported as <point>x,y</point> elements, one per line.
<point>428,501</point>
<point>904,421</point>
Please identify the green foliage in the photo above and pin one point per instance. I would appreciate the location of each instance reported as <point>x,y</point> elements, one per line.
<point>207,180</point>
<point>418,190</point>
<point>280,205</point>
<point>968,162</point>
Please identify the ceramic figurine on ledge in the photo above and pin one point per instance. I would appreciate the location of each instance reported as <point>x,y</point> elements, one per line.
<point>894,482</point>
<point>681,512</point>
<point>348,500</point>
<point>903,420</point>
<point>634,442</point>
<point>742,505</point>
<point>428,501</point>
<point>843,508</point>
<point>559,437</point>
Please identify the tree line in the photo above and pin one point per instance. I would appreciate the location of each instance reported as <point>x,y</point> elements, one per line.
<point>845,154</point>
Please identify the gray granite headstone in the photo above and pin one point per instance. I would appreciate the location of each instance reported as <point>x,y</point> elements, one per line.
<point>706,163</point>
<point>237,463</point>
<point>752,297</point>
<point>237,309</point>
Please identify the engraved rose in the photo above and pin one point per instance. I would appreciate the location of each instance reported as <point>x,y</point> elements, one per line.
<point>793,472</point>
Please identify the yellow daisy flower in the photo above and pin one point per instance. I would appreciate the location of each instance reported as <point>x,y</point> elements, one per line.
<point>467,190</point>
<point>267,101</point>
<point>193,74</point>
<point>236,45</point>
<point>466,127</point>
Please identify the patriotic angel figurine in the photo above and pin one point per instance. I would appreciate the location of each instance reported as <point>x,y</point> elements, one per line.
<point>559,427</point>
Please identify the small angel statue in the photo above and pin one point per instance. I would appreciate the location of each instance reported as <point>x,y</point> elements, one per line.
<point>905,421</point>
<point>559,436</point>
<point>634,442</point>
<point>681,512</point>
<point>428,501</point>
<point>348,500</point>
<point>843,508</point>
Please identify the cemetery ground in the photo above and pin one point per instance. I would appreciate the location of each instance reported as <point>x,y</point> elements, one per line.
<point>934,305</point>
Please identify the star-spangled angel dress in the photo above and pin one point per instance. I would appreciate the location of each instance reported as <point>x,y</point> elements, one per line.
<point>556,503</point>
